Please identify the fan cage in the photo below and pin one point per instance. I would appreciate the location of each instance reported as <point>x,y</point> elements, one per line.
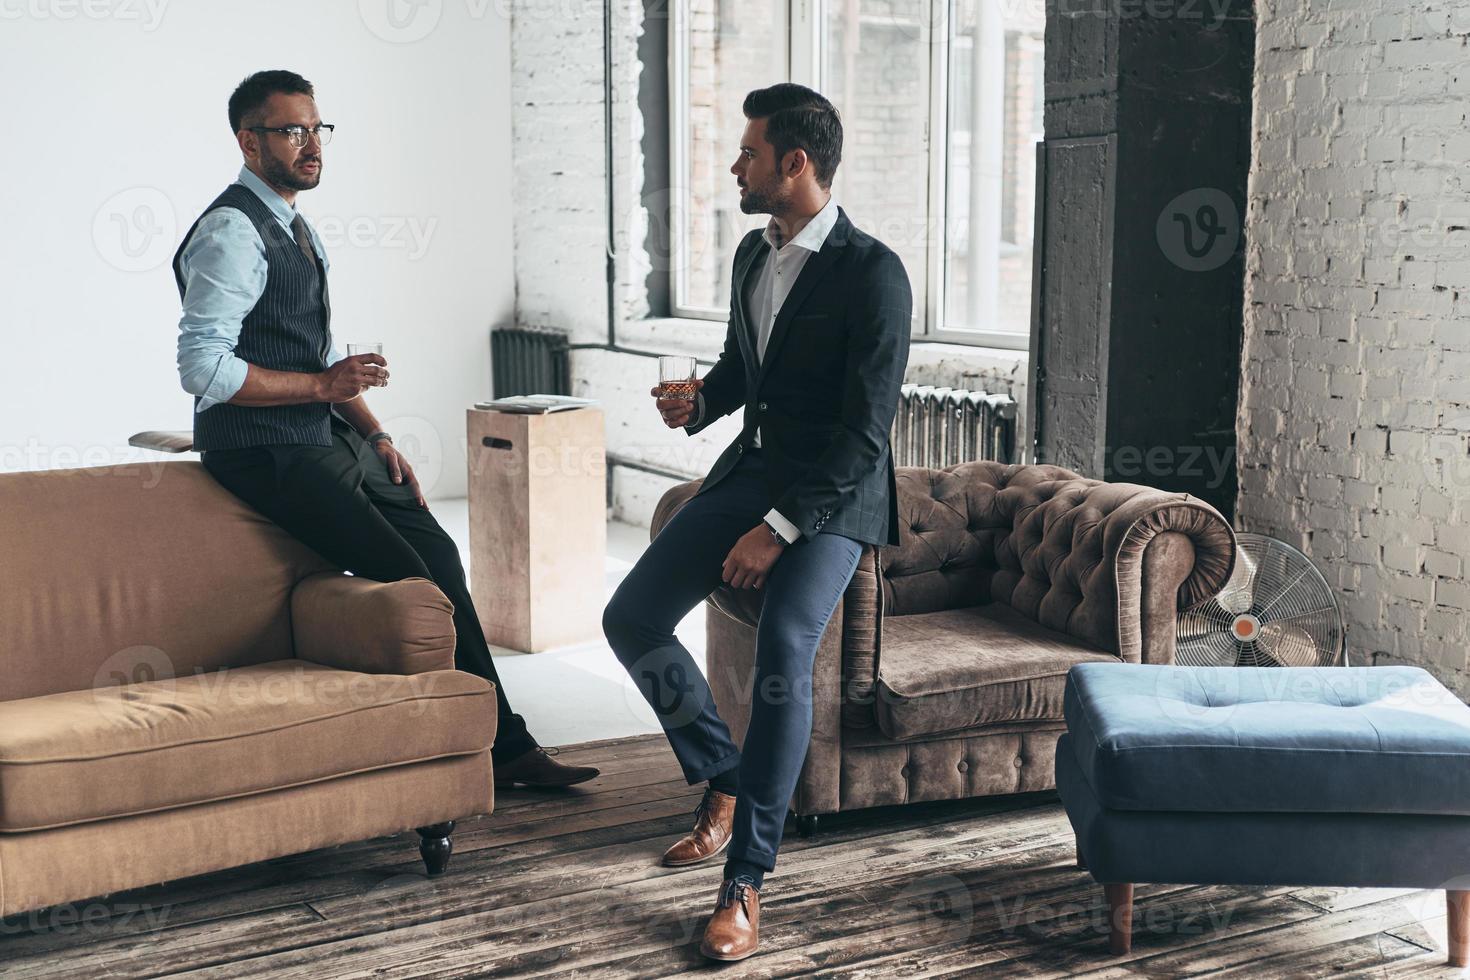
<point>1277,610</point>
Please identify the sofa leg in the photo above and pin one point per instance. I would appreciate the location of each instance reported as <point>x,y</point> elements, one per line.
<point>1457,909</point>
<point>806,824</point>
<point>1120,918</point>
<point>435,847</point>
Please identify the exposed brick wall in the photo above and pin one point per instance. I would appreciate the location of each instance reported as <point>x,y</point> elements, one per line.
<point>1355,402</point>
<point>560,217</point>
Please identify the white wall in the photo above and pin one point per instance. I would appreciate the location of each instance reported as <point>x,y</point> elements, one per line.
<point>117,137</point>
<point>1355,404</point>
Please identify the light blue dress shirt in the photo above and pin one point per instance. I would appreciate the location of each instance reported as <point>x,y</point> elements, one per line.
<point>224,276</point>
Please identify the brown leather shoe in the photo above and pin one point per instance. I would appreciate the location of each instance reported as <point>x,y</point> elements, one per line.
<point>713,819</point>
<point>537,769</point>
<point>733,931</point>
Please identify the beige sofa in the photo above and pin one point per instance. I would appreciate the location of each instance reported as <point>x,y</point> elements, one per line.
<point>941,674</point>
<point>184,688</point>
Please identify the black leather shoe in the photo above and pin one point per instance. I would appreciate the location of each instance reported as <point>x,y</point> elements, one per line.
<point>537,769</point>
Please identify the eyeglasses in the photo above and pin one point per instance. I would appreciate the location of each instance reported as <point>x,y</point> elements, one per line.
<point>298,134</point>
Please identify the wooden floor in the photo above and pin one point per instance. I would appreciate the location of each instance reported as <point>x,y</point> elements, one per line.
<point>568,885</point>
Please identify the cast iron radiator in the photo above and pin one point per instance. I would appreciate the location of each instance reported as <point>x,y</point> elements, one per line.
<point>938,427</point>
<point>529,362</point>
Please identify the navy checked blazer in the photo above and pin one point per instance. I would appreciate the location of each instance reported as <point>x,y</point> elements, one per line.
<point>825,393</point>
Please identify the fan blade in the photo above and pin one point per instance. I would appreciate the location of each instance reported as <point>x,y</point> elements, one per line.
<point>1292,646</point>
<point>1252,654</point>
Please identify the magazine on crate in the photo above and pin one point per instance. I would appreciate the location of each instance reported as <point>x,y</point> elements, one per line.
<point>535,404</point>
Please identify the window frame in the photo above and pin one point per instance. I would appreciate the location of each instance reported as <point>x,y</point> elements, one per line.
<point>803,30</point>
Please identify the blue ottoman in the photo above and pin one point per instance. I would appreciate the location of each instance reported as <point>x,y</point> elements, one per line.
<point>1342,776</point>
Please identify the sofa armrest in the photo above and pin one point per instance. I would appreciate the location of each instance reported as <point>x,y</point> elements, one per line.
<point>1173,555</point>
<point>1113,563</point>
<point>670,504</point>
<point>354,623</point>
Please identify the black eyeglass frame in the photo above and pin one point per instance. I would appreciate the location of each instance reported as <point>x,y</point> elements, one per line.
<point>323,133</point>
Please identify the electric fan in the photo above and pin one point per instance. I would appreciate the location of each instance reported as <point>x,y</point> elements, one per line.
<point>1276,611</point>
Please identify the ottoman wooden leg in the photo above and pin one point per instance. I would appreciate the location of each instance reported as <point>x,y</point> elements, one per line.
<point>1120,918</point>
<point>1457,910</point>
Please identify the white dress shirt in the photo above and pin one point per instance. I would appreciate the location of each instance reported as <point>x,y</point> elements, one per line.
<point>766,293</point>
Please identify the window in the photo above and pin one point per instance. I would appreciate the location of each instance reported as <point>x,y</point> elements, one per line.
<point>875,69</point>
<point>720,51</point>
<point>993,125</point>
<point>941,109</point>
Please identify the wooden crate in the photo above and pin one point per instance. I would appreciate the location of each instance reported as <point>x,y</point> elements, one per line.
<point>538,526</point>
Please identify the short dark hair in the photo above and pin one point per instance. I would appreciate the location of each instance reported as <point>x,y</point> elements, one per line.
<point>799,118</point>
<point>252,94</point>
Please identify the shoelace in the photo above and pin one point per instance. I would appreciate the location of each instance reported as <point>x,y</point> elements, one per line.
<point>704,804</point>
<point>736,889</point>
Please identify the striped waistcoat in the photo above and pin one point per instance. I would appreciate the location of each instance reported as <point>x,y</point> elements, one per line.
<point>288,329</point>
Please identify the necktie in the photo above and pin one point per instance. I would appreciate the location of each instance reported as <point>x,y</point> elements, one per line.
<point>303,241</point>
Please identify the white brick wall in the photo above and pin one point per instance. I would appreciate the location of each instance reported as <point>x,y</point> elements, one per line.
<point>560,216</point>
<point>1355,401</point>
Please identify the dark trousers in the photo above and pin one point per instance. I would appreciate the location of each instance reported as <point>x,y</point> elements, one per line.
<point>679,570</point>
<point>340,501</point>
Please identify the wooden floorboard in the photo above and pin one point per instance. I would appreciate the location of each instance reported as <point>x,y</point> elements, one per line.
<point>568,884</point>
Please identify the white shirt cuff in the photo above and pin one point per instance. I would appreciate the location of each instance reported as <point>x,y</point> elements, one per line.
<point>698,410</point>
<point>788,531</point>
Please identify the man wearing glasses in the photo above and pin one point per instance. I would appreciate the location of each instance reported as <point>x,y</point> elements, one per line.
<point>280,417</point>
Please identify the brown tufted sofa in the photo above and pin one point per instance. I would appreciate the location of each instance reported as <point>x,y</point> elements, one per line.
<point>941,674</point>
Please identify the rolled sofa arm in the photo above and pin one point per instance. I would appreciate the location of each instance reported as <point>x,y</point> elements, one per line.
<point>1113,563</point>
<point>354,623</point>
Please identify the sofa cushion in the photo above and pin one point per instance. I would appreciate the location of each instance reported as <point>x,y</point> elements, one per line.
<point>92,755</point>
<point>1270,739</point>
<point>961,668</point>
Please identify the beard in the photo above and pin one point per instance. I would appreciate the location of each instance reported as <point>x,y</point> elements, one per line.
<point>767,199</point>
<point>283,174</point>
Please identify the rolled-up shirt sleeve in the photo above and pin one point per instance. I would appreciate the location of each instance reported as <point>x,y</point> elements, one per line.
<point>224,272</point>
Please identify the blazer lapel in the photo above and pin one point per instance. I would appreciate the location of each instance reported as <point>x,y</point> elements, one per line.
<point>811,273</point>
